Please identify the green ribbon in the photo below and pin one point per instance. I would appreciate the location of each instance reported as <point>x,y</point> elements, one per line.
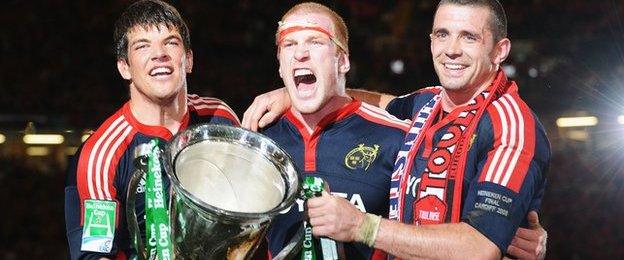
<point>312,187</point>
<point>157,225</point>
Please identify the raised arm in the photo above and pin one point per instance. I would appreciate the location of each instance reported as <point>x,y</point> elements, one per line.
<point>268,107</point>
<point>380,100</point>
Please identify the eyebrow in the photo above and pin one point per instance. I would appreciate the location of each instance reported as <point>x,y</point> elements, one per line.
<point>438,30</point>
<point>462,32</point>
<point>173,37</point>
<point>144,40</point>
<point>308,38</point>
<point>315,37</point>
<point>475,35</point>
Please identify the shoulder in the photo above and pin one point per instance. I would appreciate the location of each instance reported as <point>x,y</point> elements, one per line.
<point>280,130</point>
<point>406,105</point>
<point>510,111</point>
<point>99,156</point>
<point>426,92</point>
<point>510,117</point>
<point>518,139</point>
<point>114,127</point>
<point>510,121</point>
<point>381,117</point>
<point>209,106</point>
<point>423,93</point>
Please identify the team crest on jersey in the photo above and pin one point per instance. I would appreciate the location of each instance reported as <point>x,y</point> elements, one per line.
<point>361,157</point>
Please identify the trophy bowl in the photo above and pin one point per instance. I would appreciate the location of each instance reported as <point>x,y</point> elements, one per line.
<point>227,183</point>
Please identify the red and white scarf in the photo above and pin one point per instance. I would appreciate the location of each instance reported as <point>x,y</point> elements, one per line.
<point>446,161</point>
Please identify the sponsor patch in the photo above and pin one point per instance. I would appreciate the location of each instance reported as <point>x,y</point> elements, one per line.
<point>99,227</point>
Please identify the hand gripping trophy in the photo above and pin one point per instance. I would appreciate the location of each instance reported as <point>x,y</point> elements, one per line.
<point>227,184</point>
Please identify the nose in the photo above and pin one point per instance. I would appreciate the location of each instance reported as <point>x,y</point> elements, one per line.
<point>453,48</point>
<point>159,53</point>
<point>302,53</point>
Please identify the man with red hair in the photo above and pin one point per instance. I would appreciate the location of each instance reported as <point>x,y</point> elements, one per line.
<point>349,144</point>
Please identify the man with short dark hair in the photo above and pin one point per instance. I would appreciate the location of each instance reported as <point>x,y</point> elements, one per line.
<point>473,163</point>
<point>153,51</point>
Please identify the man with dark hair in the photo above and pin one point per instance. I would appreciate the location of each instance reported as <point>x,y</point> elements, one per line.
<point>498,20</point>
<point>153,52</point>
<point>169,17</point>
<point>473,163</point>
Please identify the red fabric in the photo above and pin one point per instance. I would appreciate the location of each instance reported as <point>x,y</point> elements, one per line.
<point>379,255</point>
<point>212,106</point>
<point>311,140</point>
<point>98,160</point>
<point>454,164</point>
<point>382,118</point>
<point>514,126</point>
<point>283,33</point>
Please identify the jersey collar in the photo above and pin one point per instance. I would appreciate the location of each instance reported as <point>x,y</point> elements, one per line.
<point>333,117</point>
<point>153,130</point>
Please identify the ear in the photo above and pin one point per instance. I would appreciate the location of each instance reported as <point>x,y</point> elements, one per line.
<point>279,64</point>
<point>431,42</point>
<point>124,69</point>
<point>501,51</point>
<point>189,61</point>
<point>344,65</point>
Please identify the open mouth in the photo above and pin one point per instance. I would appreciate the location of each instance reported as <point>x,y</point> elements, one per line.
<point>161,71</point>
<point>305,76</point>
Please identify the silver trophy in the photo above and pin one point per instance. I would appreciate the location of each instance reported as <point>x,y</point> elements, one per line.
<point>227,184</point>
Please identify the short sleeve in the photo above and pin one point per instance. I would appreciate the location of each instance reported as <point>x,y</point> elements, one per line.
<point>511,171</point>
<point>402,107</point>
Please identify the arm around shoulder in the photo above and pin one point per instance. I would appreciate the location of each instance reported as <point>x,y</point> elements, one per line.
<point>377,99</point>
<point>265,109</point>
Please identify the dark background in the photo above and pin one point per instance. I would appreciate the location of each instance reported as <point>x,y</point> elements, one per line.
<point>58,75</point>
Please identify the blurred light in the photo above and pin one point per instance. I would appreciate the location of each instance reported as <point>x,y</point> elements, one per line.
<point>397,66</point>
<point>30,128</point>
<point>577,121</point>
<point>84,137</point>
<point>44,139</point>
<point>510,70</point>
<point>2,138</point>
<point>37,151</point>
<point>621,120</point>
<point>578,135</point>
<point>533,73</point>
<point>71,150</point>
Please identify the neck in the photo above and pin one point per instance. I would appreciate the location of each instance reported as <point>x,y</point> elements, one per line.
<point>313,119</point>
<point>452,99</point>
<point>166,113</point>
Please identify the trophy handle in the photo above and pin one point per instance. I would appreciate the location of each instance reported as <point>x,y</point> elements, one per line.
<point>293,247</point>
<point>131,216</point>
